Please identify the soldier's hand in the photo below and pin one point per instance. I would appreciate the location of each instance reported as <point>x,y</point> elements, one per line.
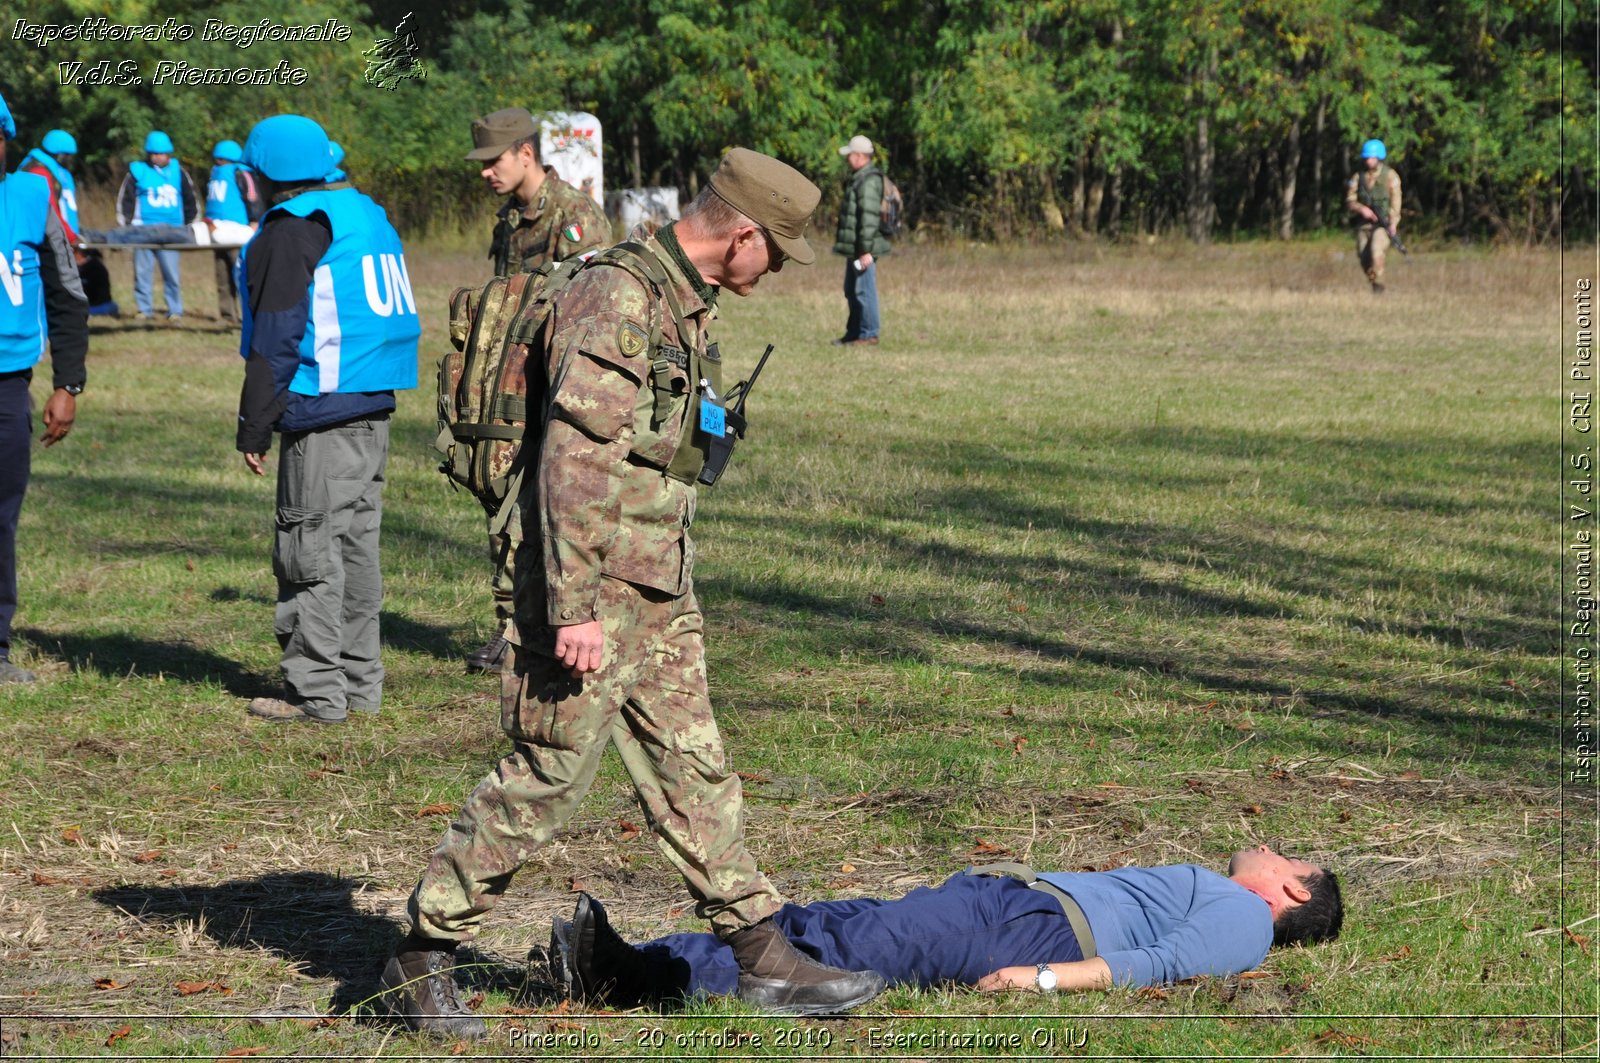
<point>254,462</point>
<point>578,646</point>
<point>60,410</point>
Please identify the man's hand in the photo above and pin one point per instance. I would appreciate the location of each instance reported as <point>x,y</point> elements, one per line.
<point>579,646</point>
<point>864,261</point>
<point>1007,978</point>
<point>1078,974</point>
<point>254,463</point>
<point>60,410</point>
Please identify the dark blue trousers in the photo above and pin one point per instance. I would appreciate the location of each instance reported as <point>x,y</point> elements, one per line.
<point>16,452</point>
<point>957,932</point>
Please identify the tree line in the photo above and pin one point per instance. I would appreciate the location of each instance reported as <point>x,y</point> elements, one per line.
<point>998,118</point>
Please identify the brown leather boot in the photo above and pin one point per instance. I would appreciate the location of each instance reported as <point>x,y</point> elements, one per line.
<point>418,988</point>
<point>776,977</point>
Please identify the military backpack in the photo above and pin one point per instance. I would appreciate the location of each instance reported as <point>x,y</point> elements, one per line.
<point>486,386</point>
<point>494,379</point>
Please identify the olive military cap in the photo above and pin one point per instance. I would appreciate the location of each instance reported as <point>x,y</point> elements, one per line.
<point>494,133</point>
<point>772,194</point>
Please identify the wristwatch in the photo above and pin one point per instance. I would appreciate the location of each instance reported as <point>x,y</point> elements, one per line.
<point>1045,979</point>
<point>72,389</point>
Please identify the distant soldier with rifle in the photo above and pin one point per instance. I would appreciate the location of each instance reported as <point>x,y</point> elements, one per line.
<point>1373,200</point>
<point>610,644</point>
<point>543,220</point>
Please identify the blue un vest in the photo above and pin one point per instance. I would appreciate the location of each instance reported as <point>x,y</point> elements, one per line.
<point>69,187</point>
<point>24,212</point>
<point>362,330</point>
<point>160,198</point>
<point>223,201</point>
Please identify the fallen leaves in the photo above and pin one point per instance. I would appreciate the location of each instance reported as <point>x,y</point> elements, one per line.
<point>148,856</point>
<point>109,984</point>
<point>630,831</point>
<point>1580,940</point>
<point>73,834</point>
<point>235,1053</point>
<point>847,868</point>
<point>189,989</point>
<point>1399,954</point>
<point>440,809</point>
<point>118,1034</point>
<point>988,848</point>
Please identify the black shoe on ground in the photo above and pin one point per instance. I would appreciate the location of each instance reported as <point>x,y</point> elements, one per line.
<point>606,969</point>
<point>489,656</point>
<point>776,977</point>
<point>418,988</point>
<point>560,958</point>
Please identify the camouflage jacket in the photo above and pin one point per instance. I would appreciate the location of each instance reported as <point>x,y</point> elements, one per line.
<point>563,223</point>
<point>605,504</point>
<point>1378,189</point>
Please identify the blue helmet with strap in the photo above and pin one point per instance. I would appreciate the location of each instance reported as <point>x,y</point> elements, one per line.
<point>288,147</point>
<point>228,151</point>
<point>335,152</point>
<point>8,125</point>
<point>158,143</point>
<point>59,142</point>
<point>1374,149</point>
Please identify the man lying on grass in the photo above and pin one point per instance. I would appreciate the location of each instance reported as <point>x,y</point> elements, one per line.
<point>995,928</point>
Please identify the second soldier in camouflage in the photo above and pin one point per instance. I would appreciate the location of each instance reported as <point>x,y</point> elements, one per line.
<point>543,220</point>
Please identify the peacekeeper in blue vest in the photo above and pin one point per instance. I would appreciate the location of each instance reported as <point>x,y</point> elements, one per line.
<point>233,208</point>
<point>41,302</point>
<point>330,334</point>
<point>157,191</point>
<point>51,160</point>
<point>996,928</point>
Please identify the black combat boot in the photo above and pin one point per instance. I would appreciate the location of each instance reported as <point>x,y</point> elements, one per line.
<point>776,977</point>
<point>419,989</point>
<point>489,656</point>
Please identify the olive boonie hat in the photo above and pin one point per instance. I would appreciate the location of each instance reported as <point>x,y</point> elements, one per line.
<point>494,133</point>
<point>772,194</point>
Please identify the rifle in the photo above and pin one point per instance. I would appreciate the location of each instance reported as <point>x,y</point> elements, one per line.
<point>1399,245</point>
<point>720,448</point>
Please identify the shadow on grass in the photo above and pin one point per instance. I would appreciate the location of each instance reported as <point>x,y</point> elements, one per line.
<point>436,640</point>
<point>126,655</point>
<point>307,918</point>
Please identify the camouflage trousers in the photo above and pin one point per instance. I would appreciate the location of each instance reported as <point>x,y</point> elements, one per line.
<point>503,547</point>
<point>648,699</point>
<point>1371,243</point>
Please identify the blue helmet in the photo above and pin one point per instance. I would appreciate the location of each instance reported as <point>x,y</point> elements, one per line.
<point>1374,149</point>
<point>288,147</point>
<point>158,143</point>
<point>8,125</point>
<point>227,151</point>
<point>59,142</point>
<point>335,152</point>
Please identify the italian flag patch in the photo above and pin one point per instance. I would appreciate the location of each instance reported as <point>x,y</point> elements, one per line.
<point>573,232</point>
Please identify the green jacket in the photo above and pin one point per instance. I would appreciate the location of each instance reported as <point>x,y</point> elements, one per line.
<point>860,216</point>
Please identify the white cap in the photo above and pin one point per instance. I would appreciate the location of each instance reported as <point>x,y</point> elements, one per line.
<point>858,144</point>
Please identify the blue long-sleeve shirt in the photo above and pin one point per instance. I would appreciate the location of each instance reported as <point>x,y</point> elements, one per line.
<point>1163,924</point>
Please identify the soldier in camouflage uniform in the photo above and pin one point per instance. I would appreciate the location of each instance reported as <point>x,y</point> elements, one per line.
<point>1373,199</point>
<point>543,220</point>
<point>611,648</point>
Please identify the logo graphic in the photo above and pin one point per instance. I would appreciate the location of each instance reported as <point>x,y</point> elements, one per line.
<point>392,60</point>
